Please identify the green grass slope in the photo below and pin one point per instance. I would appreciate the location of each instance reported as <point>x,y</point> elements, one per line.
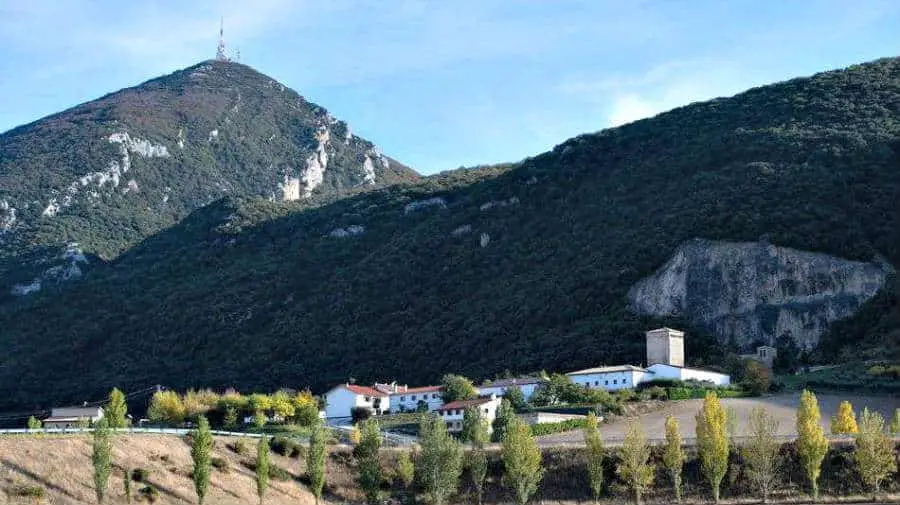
<point>255,294</point>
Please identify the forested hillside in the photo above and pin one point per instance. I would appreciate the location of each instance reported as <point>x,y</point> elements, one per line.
<point>517,267</point>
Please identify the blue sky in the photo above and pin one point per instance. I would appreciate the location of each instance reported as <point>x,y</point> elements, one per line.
<point>440,84</point>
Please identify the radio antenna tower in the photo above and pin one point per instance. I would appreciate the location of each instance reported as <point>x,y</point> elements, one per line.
<point>220,52</point>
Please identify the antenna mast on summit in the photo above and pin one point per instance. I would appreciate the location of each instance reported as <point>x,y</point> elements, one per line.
<point>220,52</point>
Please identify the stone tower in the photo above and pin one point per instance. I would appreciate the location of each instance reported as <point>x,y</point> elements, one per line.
<point>666,346</point>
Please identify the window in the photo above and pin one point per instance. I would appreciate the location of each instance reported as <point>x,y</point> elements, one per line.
<point>625,380</point>
<point>485,411</point>
<point>596,383</point>
<point>366,399</point>
<point>615,381</point>
<point>402,398</point>
<point>606,383</point>
<point>433,395</point>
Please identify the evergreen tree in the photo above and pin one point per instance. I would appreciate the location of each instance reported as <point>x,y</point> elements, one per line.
<point>116,410</point>
<point>366,453</point>
<point>262,467</point>
<point>101,457</point>
<point>811,442</point>
<point>439,462</point>
<point>505,415</point>
<point>895,423</point>
<point>673,455</point>
<point>201,450</point>
<point>127,484</point>
<point>34,423</point>
<point>712,442</point>
<point>516,398</point>
<point>595,453</point>
<point>316,459</point>
<point>874,453</point>
<point>844,423</point>
<point>521,460</point>
<point>634,469</point>
<point>761,452</point>
<point>230,419</point>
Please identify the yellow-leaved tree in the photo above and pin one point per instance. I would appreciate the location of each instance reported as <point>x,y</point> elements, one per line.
<point>844,422</point>
<point>673,455</point>
<point>712,442</point>
<point>811,442</point>
<point>874,451</point>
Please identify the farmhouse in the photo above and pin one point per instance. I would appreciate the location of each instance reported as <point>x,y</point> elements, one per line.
<point>610,378</point>
<point>527,385</point>
<point>452,413</point>
<point>73,417</point>
<point>407,399</point>
<point>665,359</point>
<point>342,399</point>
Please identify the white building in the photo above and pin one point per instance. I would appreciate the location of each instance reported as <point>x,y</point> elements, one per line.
<point>341,400</point>
<point>407,399</point>
<point>610,378</point>
<point>453,412</point>
<point>663,371</point>
<point>528,385</point>
<point>73,417</point>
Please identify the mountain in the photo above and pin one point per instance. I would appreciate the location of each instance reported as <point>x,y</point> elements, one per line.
<point>79,187</point>
<point>521,266</point>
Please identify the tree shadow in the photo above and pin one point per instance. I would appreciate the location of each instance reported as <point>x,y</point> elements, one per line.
<point>46,483</point>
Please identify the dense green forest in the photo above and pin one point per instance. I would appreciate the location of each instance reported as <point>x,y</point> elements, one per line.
<point>520,267</point>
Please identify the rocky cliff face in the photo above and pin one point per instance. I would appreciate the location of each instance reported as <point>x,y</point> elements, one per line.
<point>745,292</point>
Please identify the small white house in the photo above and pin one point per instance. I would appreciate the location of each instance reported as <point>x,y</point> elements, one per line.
<point>610,378</point>
<point>528,385</point>
<point>73,417</point>
<point>341,400</point>
<point>453,412</point>
<point>407,399</point>
<point>664,371</point>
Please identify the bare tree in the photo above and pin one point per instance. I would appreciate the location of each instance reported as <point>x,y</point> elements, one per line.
<point>761,452</point>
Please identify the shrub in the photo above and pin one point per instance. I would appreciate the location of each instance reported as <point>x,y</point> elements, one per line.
<point>541,429</point>
<point>360,414</point>
<point>239,447</point>
<point>285,447</point>
<point>28,491</point>
<point>657,393</point>
<point>149,493</point>
<point>140,475</point>
<point>756,377</point>
<point>278,473</point>
<point>220,464</point>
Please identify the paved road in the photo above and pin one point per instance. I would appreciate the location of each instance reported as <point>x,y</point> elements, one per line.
<point>784,408</point>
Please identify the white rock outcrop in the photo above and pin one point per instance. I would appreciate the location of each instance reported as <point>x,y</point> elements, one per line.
<point>513,200</point>
<point>424,204</point>
<point>461,230</point>
<point>484,240</point>
<point>7,217</point>
<point>349,231</point>
<point>316,163</point>
<point>290,188</point>
<point>745,292</point>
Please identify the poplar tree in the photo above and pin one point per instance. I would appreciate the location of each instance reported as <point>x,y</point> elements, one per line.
<point>673,455</point>
<point>366,453</point>
<point>895,423</point>
<point>126,482</point>
<point>505,415</point>
<point>712,442</point>
<point>595,453</point>
<point>262,467</point>
<point>315,459</point>
<point>478,459</point>
<point>101,458</point>
<point>761,452</point>
<point>811,442</point>
<point>116,410</point>
<point>521,460</point>
<point>874,454</point>
<point>633,468</point>
<point>439,462</point>
<point>201,454</point>
<point>844,422</point>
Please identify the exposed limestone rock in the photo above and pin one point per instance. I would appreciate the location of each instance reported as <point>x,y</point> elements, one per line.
<point>316,163</point>
<point>746,292</point>
<point>7,217</point>
<point>353,229</point>
<point>422,204</point>
<point>462,230</point>
<point>212,135</point>
<point>484,240</point>
<point>181,138</point>
<point>290,188</point>
<point>69,267</point>
<point>499,203</point>
<point>368,171</point>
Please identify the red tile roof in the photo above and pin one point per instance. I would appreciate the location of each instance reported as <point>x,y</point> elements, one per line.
<point>464,404</point>
<point>363,390</point>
